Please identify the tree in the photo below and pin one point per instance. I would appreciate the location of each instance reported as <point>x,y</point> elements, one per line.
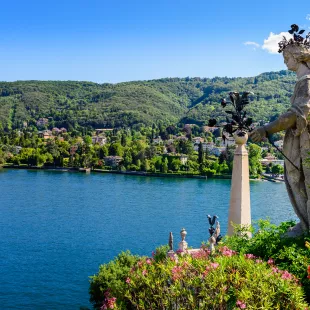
<point>164,165</point>
<point>103,152</point>
<point>176,164</point>
<point>116,149</point>
<point>127,157</point>
<point>254,160</point>
<point>87,140</point>
<point>200,153</point>
<point>277,169</point>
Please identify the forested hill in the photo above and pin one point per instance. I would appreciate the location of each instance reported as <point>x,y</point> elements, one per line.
<point>170,100</point>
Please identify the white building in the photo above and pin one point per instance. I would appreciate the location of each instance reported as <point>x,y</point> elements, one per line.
<point>99,140</point>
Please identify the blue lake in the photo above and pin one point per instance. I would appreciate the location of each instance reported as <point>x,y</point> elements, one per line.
<point>56,228</point>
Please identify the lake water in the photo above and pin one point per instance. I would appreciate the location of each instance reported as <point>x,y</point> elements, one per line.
<point>56,228</point>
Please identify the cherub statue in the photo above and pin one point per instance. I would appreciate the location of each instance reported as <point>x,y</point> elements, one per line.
<point>296,146</point>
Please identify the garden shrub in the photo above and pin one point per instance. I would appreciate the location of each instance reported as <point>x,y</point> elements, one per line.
<point>269,241</point>
<point>110,278</point>
<point>223,280</point>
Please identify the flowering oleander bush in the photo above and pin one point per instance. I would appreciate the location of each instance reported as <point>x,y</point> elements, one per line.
<point>223,280</point>
<point>269,241</point>
<point>110,281</point>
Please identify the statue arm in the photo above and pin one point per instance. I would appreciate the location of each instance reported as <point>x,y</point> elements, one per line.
<point>285,121</point>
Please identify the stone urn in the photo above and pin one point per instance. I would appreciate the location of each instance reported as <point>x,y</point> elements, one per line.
<point>241,137</point>
<point>183,243</point>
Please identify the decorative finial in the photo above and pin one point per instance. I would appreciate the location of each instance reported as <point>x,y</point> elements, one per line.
<point>183,233</point>
<point>183,243</point>
<point>296,40</point>
<point>170,242</point>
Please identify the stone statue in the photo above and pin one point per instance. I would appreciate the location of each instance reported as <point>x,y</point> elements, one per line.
<point>214,237</point>
<point>295,122</point>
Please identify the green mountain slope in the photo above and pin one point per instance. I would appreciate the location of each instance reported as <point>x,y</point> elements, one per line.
<point>70,104</point>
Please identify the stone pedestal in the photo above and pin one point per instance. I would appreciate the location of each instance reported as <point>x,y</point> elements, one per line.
<point>240,208</point>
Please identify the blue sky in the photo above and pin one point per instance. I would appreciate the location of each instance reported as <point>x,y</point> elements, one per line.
<point>116,41</point>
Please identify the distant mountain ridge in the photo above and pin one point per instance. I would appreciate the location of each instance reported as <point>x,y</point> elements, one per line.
<point>169,100</point>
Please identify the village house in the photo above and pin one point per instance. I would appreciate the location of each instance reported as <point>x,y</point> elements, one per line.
<point>228,141</point>
<point>45,134</point>
<point>210,129</point>
<point>112,161</point>
<point>99,140</point>
<point>181,138</point>
<point>217,151</point>
<point>183,158</point>
<point>56,131</point>
<point>270,159</point>
<point>16,149</point>
<point>205,146</point>
<point>197,140</point>
<point>157,140</point>
<point>41,122</point>
<point>279,144</point>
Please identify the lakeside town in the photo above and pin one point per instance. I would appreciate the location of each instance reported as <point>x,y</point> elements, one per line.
<point>184,149</point>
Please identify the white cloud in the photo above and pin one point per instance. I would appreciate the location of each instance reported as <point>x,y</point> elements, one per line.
<point>254,44</point>
<point>271,43</point>
<point>308,17</point>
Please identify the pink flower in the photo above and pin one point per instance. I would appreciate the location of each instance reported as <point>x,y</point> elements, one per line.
<point>153,253</point>
<point>200,254</point>
<point>240,304</point>
<point>148,261</point>
<point>179,251</point>
<point>140,263</point>
<point>286,275</point>
<point>214,265</point>
<point>107,293</point>
<point>226,251</point>
<point>259,261</point>
<point>270,261</point>
<point>250,256</point>
<point>176,272</point>
<point>308,271</point>
<point>185,264</point>
<point>204,274</point>
<point>275,270</point>
<point>109,302</point>
<point>128,280</point>
<point>144,272</point>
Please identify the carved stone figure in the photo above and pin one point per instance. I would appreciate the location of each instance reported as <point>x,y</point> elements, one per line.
<point>296,144</point>
<point>213,238</point>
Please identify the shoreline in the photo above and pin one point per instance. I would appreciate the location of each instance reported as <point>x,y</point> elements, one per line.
<point>136,173</point>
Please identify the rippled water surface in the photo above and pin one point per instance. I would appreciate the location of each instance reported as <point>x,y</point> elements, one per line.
<point>56,228</point>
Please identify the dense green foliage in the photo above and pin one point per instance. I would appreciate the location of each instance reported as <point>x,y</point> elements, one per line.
<point>270,242</point>
<point>171,100</point>
<point>223,280</point>
<point>135,147</point>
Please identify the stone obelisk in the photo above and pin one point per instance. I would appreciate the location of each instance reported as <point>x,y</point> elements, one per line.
<point>240,208</point>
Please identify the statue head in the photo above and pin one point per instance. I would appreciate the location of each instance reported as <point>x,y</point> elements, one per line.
<point>294,55</point>
<point>296,51</point>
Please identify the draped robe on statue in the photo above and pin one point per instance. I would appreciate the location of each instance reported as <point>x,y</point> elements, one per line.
<point>296,147</point>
